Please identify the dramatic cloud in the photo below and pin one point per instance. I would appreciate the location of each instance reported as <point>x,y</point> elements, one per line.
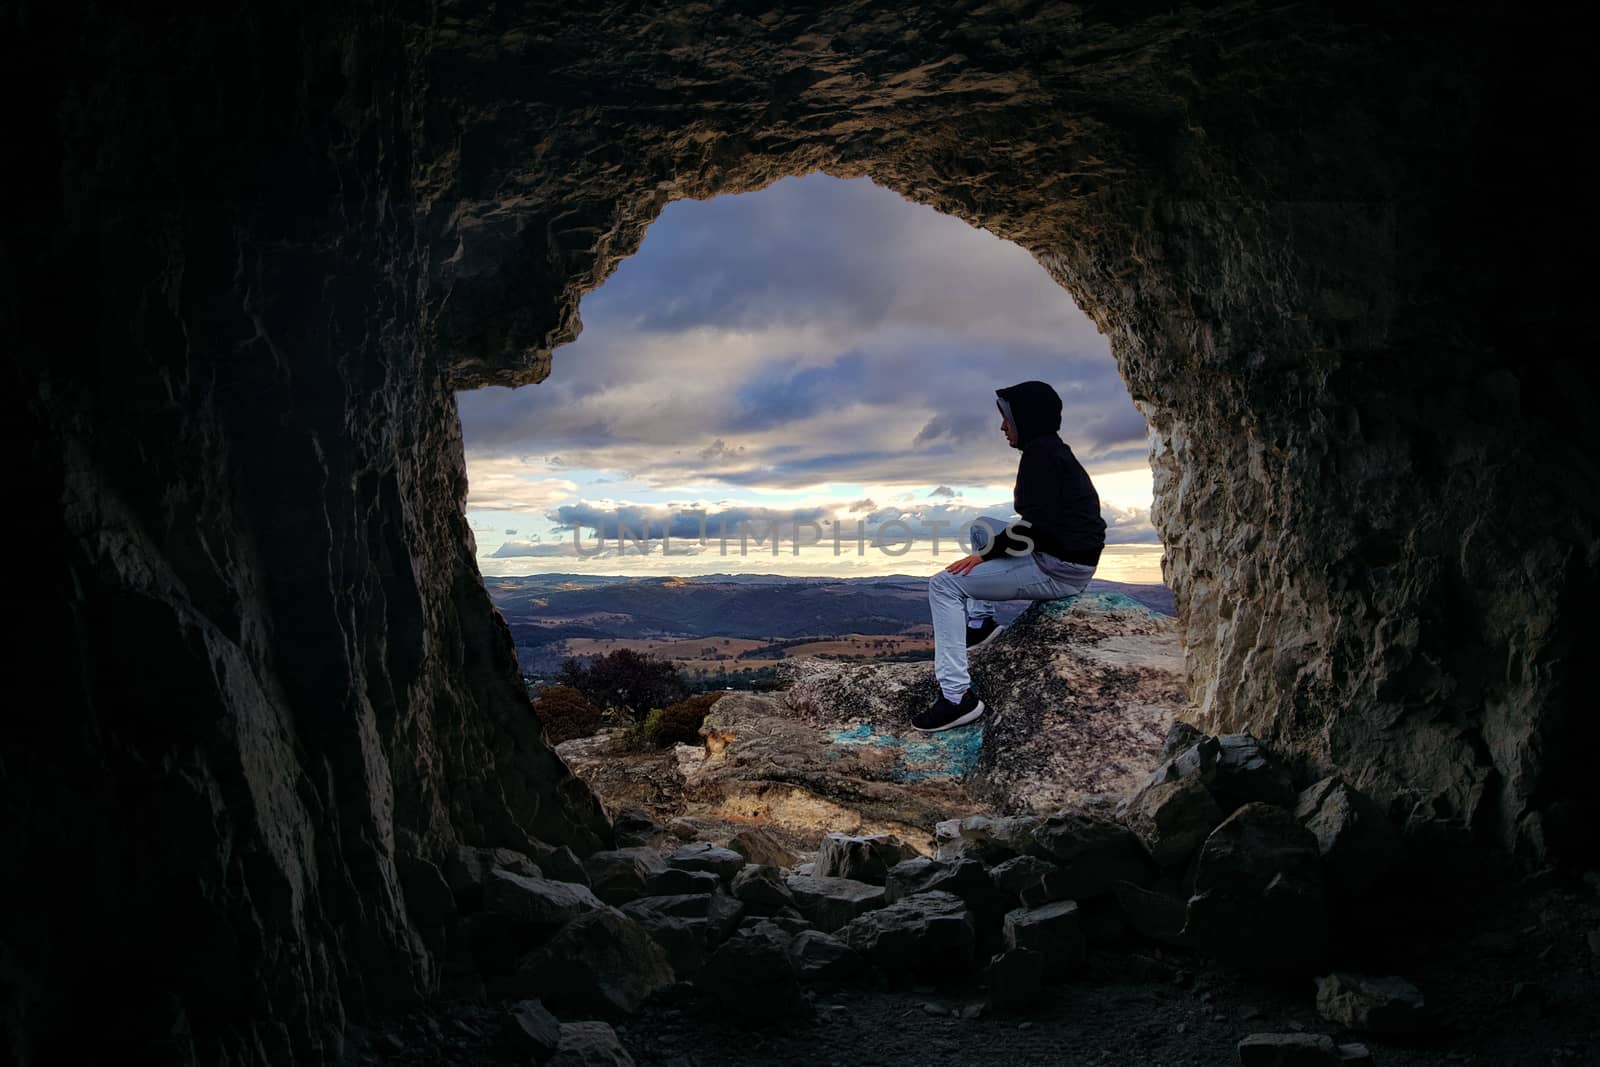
<point>821,344</point>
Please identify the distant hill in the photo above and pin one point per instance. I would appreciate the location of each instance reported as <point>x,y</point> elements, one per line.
<point>545,610</point>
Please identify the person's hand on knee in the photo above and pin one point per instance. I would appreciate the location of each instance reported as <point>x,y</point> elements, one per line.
<point>964,564</point>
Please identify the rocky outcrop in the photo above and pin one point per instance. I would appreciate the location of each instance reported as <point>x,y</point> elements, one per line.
<point>254,252</point>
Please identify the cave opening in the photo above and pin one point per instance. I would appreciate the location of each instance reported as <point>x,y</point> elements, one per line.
<point>777,422</point>
<point>286,747</point>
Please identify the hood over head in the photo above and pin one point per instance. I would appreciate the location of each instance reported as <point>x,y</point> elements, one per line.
<point>1032,408</point>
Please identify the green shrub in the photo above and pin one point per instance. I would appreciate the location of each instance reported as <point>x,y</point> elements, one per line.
<point>566,713</point>
<point>677,724</point>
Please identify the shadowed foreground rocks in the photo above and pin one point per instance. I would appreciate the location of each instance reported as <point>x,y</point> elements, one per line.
<point>252,254</point>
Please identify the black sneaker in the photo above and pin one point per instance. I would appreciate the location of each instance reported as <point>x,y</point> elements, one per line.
<point>980,635</point>
<point>944,715</point>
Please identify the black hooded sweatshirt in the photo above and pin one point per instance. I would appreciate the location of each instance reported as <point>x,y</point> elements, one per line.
<point>1053,494</point>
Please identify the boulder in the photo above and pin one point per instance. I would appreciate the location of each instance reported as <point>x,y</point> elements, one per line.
<point>751,978</point>
<point>966,878</point>
<point>861,859</point>
<point>705,856</point>
<point>1359,844</point>
<point>1258,893</point>
<point>536,901</point>
<point>832,902</point>
<point>981,837</point>
<point>761,886</point>
<point>1053,931</point>
<point>1093,853</point>
<point>558,862</point>
<point>1152,914</point>
<point>759,845</point>
<point>1016,980</point>
<point>687,941</point>
<point>1172,818</point>
<point>1299,1050</point>
<point>590,1044</point>
<point>820,957</point>
<point>676,881</point>
<point>928,934</point>
<point>619,875</point>
<point>1247,773</point>
<point>1026,878</point>
<point>721,911</point>
<point>637,828</point>
<point>1371,1005</point>
<point>530,1032</point>
<point>466,870</point>
<point>601,961</point>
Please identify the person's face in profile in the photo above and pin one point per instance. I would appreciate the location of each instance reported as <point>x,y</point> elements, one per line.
<point>1007,429</point>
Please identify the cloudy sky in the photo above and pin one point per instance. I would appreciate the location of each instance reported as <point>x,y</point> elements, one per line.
<point>820,358</point>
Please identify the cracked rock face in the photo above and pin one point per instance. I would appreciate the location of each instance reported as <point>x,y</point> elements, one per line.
<point>251,256</point>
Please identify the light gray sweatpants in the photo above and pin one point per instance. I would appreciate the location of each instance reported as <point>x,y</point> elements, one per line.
<point>957,599</point>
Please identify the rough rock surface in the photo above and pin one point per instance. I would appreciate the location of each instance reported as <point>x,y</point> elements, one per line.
<point>260,248</point>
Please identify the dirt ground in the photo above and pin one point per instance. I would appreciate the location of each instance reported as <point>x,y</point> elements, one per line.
<point>1509,975</point>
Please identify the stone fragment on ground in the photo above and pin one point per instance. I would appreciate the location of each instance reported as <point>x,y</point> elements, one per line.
<point>467,869</point>
<point>929,934</point>
<point>1054,931</point>
<point>637,828</point>
<point>602,961</point>
<point>675,881</point>
<point>832,902</point>
<point>1259,900</point>
<point>1016,980</point>
<point>590,1044</point>
<point>704,856</point>
<point>1172,818</point>
<point>530,1031</point>
<point>537,901</point>
<point>721,911</point>
<point>985,838</point>
<point>1300,1050</point>
<point>761,886</point>
<point>619,875</point>
<point>820,957</point>
<point>760,845</point>
<point>1093,852</point>
<point>752,979</point>
<point>861,859</point>
<point>1359,845</point>
<point>1370,1005</point>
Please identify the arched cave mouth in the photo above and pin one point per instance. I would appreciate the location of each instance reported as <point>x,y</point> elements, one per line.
<point>813,365</point>
<point>261,252</point>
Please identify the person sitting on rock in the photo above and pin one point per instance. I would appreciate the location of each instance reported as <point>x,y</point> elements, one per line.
<point>1049,553</point>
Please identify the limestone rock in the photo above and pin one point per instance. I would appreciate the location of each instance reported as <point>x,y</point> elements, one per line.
<point>752,977</point>
<point>538,901</point>
<point>985,838</point>
<point>1259,898</point>
<point>1359,845</point>
<point>1028,879</point>
<point>761,886</point>
<point>1053,930</point>
<point>1300,1050</point>
<point>467,869</point>
<point>556,861</point>
<point>1372,1005</point>
<point>637,828</point>
<point>530,1031</point>
<point>721,912</point>
<point>1172,818</point>
<point>676,881</point>
<point>929,934</point>
<point>619,875</point>
<point>761,846</point>
<point>704,856</point>
<point>832,902</point>
<point>1093,853</point>
<point>1247,773</point>
<point>820,957</point>
<point>590,1044</point>
<point>861,859</point>
<point>601,961</point>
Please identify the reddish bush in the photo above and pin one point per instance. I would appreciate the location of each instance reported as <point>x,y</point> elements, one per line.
<point>566,713</point>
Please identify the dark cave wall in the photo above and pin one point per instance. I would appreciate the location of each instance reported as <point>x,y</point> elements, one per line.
<point>252,256</point>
